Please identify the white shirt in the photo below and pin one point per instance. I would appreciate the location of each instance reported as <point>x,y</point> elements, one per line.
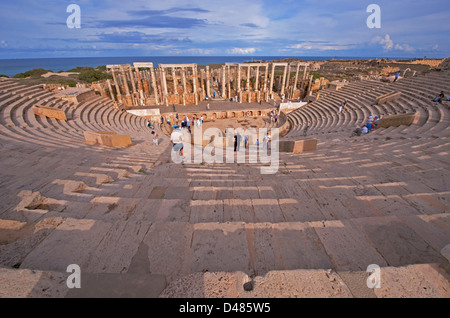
<point>364,130</point>
<point>177,136</point>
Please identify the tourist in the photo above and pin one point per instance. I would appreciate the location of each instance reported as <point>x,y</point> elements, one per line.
<point>177,140</point>
<point>257,142</point>
<point>376,121</point>
<point>305,130</point>
<point>238,141</point>
<point>201,118</point>
<point>364,130</point>
<point>207,106</point>
<point>266,141</point>
<point>439,98</point>
<point>199,123</point>
<point>396,76</point>
<point>155,138</point>
<point>162,120</point>
<point>276,118</point>
<point>370,118</point>
<point>356,132</point>
<point>173,107</point>
<point>341,107</point>
<point>245,141</point>
<point>214,95</point>
<point>236,98</point>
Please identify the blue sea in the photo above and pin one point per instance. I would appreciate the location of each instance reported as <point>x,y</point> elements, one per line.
<point>11,67</point>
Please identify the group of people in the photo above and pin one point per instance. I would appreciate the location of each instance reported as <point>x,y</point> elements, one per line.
<point>177,139</point>
<point>243,140</point>
<point>185,123</point>
<point>441,98</point>
<point>371,124</point>
<point>273,116</point>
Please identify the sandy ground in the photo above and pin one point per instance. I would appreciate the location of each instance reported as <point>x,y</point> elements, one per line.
<point>65,74</point>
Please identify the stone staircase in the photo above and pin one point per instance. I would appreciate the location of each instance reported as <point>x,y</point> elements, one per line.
<point>141,225</point>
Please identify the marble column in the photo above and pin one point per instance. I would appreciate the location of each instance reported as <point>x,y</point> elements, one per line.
<point>132,81</point>
<point>248,78</point>
<point>154,86</point>
<point>257,79</point>
<point>202,83</point>
<point>183,79</point>
<point>125,82</point>
<point>116,84</point>
<point>271,81</point>
<point>310,84</point>
<point>223,81</point>
<point>110,89</point>
<point>194,81</point>
<point>175,81</point>
<point>229,81</point>
<point>239,79</point>
<point>139,81</point>
<point>304,78</point>
<point>266,71</point>
<point>283,83</point>
<point>208,79</point>
<point>296,78</point>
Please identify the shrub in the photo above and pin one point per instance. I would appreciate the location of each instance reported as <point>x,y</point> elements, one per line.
<point>35,73</point>
<point>101,68</point>
<point>79,69</point>
<point>1,75</point>
<point>93,76</point>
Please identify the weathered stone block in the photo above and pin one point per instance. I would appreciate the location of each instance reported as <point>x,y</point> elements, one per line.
<point>298,146</point>
<point>107,138</point>
<point>391,96</point>
<point>397,120</point>
<point>50,112</point>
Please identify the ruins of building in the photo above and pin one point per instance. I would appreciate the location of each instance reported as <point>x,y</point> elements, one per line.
<point>141,84</point>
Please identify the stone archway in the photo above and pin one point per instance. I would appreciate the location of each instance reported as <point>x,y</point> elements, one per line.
<point>404,72</point>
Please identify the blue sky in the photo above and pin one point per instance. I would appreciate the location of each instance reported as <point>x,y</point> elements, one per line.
<point>34,29</point>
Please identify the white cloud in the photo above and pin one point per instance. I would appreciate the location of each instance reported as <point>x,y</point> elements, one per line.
<point>3,43</point>
<point>404,47</point>
<point>318,46</point>
<point>387,43</point>
<point>236,50</point>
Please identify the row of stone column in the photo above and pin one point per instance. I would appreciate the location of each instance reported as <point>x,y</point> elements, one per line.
<point>232,74</point>
<point>142,84</point>
<point>154,83</point>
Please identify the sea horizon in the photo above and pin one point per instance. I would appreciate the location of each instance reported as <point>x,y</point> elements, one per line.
<point>11,67</point>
